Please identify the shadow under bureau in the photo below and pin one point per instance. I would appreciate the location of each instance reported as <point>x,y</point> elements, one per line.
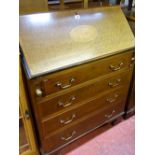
<point>78,70</point>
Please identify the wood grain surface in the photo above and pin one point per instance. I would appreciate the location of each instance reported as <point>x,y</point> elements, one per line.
<point>82,127</point>
<point>32,6</point>
<point>47,45</point>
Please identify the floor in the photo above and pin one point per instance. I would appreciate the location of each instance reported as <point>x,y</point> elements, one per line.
<point>107,140</point>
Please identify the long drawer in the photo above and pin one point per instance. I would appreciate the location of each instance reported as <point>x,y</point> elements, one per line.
<point>78,96</point>
<point>83,126</point>
<point>67,78</point>
<point>51,124</point>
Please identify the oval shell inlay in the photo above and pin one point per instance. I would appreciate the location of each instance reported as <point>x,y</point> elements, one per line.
<point>83,33</point>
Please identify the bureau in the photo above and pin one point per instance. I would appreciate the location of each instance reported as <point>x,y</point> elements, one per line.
<point>78,66</point>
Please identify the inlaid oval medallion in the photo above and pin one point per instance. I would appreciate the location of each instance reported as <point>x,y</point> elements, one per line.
<point>83,33</point>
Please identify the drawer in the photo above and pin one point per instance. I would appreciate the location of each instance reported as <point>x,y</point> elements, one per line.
<point>68,78</point>
<point>83,126</point>
<point>77,96</point>
<point>51,124</point>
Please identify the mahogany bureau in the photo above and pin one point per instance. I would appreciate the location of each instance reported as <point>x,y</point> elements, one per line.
<point>78,66</point>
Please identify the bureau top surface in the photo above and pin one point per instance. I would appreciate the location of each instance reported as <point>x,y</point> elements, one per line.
<point>55,41</point>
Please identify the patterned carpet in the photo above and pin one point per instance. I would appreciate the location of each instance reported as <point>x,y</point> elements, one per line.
<point>107,140</point>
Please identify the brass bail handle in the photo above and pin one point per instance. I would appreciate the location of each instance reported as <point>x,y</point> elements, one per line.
<point>116,68</point>
<point>70,102</point>
<point>70,137</point>
<point>109,116</point>
<point>112,99</point>
<point>64,86</point>
<point>68,121</point>
<point>114,84</point>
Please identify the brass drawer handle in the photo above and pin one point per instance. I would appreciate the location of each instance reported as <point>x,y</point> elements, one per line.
<point>64,86</point>
<point>61,104</point>
<point>115,68</point>
<point>39,92</point>
<point>68,138</point>
<point>111,84</point>
<point>69,121</point>
<point>109,116</point>
<point>111,100</point>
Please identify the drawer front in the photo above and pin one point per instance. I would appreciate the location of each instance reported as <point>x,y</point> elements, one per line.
<point>76,75</point>
<point>76,97</point>
<point>101,101</point>
<point>64,136</point>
